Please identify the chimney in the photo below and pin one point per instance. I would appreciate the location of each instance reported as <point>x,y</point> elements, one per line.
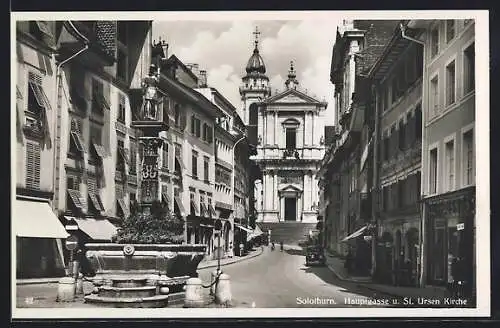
<point>202,79</point>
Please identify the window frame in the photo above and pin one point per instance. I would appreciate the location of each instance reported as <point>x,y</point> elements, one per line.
<point>466,47</point>
<point>463,159</point>
<point>450,185</point>
<point>447,36</point>
<point>435,48</point>
<point>435,96</point>
<point>432,147</point>
<point>451,60</point>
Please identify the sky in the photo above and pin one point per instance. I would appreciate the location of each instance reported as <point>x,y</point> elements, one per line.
<point>222,48</point>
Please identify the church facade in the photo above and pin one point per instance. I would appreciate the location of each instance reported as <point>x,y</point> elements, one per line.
<point>288,127</point>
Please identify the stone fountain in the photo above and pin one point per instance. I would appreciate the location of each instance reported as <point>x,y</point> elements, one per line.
<point>144,275</point>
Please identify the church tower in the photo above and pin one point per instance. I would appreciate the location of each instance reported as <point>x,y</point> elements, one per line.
<point>255,86</point>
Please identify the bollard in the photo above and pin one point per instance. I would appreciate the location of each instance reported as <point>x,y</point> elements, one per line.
<point>79,285</point>
<point>194,293</point>
<point>223,290</point>
<point>66,289</point>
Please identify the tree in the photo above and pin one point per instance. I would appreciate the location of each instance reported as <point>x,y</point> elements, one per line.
<point>160,226</point>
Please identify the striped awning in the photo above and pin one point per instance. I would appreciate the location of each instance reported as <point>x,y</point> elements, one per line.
<point>97,229</point>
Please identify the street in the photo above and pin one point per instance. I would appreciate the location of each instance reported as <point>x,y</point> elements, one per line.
<point>280,279</point>
<point>274,279</point>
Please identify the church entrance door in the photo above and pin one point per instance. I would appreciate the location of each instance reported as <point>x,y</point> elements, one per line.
<point>290,209</point>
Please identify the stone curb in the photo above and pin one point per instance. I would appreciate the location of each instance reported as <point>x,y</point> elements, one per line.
<point>238,259</point>
<point>21,282</point>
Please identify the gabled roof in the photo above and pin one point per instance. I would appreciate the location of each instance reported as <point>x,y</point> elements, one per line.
<point>292,96</point>
<point>174,60</point>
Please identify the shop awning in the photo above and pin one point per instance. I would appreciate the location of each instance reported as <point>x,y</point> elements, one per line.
<point>36,219</point>
<point>243,228</point>
<point>255,233</point>
<point>355,234</point>
<point>97,229</point>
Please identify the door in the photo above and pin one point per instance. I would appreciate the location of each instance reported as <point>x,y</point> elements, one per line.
<point>290,209</point>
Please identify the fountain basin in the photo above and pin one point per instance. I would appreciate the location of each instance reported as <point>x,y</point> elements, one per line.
<point>137,275</point>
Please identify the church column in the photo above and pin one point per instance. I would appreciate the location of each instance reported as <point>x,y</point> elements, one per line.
<point>265,135</point>
<point>282,208</point>
<point>264,190</point>
<point>313,130</point>
<point>275,141</point>
<point>275,191</point>
<point>261,126</point>
<point>269,191</point>
<point>300,206</point>
<point>311,188</point>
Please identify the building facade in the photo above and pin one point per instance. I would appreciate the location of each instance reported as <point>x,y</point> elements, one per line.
<point>346,170</point>
<point>397,80</point>
<point>448,152</point>
<point>97,149</point>
<point>39,233</point>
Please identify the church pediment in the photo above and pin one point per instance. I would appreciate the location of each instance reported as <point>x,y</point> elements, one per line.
<point>292,96</point>
<point>290,189</point>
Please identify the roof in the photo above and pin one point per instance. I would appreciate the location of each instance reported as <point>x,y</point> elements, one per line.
<point>292,92</point>
<point>173,59</point>
<point>396,45</point>
<point>167,83</point>
<point>255,62</point>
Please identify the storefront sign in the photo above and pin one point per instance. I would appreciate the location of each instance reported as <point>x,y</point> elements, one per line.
<point>460,226</point>
<point>367,238</point>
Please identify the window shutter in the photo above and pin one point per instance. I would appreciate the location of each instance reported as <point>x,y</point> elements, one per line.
<point>32,165</point>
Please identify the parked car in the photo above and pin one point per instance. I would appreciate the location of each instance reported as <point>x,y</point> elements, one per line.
<point>315,255</point>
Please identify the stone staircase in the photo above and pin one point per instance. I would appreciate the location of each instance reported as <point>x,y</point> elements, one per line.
<point>291,233</point>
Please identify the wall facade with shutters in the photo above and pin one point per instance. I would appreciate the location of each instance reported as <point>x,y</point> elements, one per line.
<point>34,152</point>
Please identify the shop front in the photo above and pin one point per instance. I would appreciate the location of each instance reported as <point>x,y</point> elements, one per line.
<point>39,238</point>
<point>450,221</point>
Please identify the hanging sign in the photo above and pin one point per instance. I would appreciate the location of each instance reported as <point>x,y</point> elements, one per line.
<point>460,226</point>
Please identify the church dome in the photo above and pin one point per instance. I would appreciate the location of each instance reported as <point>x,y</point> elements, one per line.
<point>256,63</point>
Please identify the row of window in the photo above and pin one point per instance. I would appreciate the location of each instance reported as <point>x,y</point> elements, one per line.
<point>196,130</point>
<point>401,194</point>
<point>450,27</point>
<point>448,177</point>
<point>468,78</point>
<point>405,137</point>
<point>96,150</point>
<point>205,205</point>
<point>405,74</point>
<point>194,166</point>
<point>76,203</point>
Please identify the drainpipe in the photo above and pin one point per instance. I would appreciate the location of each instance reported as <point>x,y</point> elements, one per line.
<point>58,105</point>
<point>423,246</point>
